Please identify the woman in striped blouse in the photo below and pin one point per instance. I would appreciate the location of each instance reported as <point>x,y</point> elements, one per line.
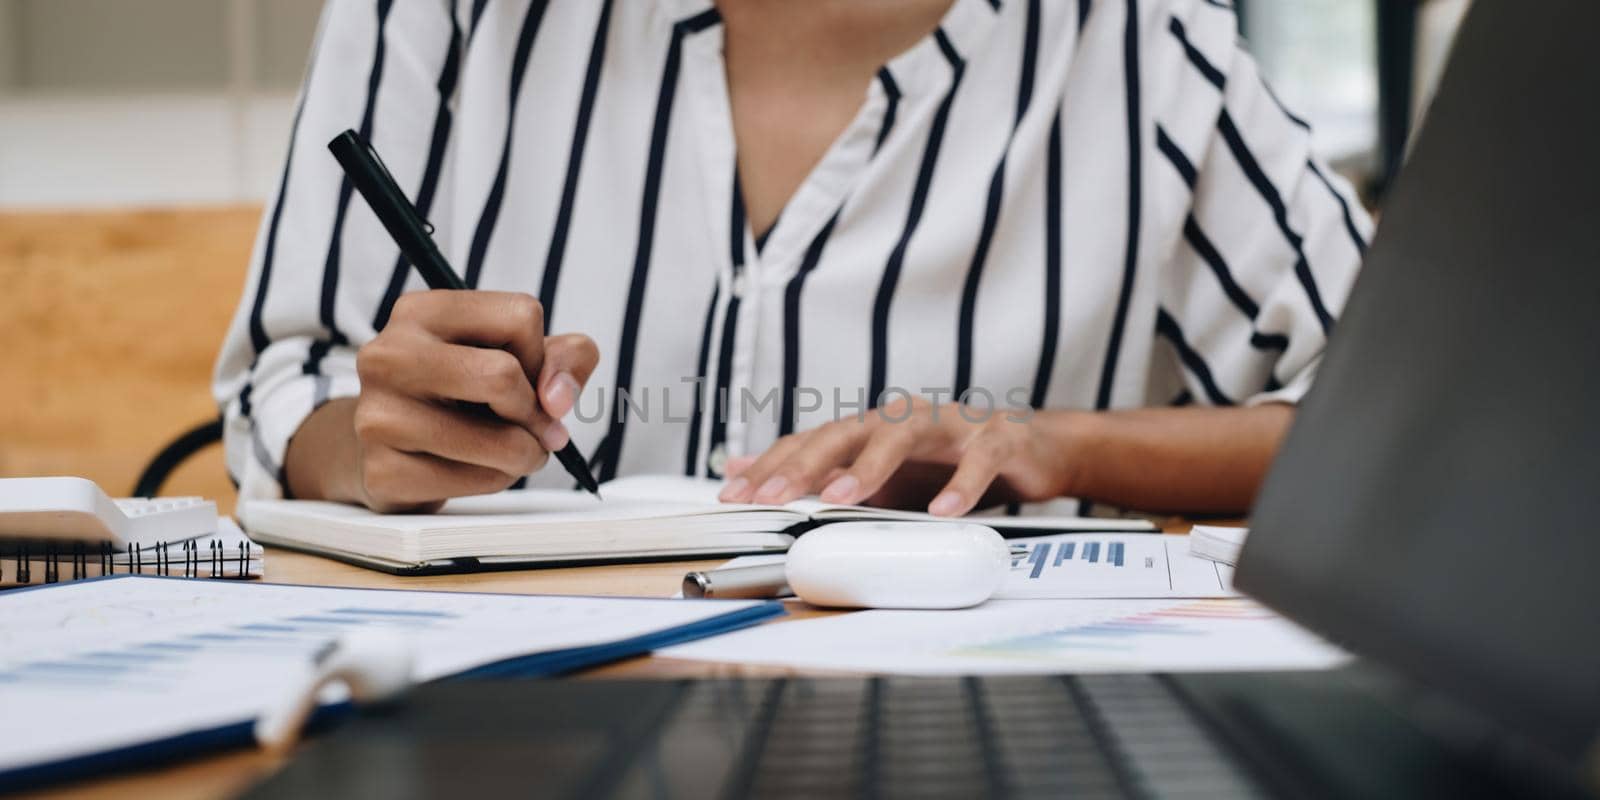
<point>932,253</point>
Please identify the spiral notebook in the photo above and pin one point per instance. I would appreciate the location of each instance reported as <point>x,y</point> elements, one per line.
<point>227,553</point>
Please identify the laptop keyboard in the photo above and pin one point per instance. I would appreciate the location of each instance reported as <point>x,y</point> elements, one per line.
<point>1108,736</point>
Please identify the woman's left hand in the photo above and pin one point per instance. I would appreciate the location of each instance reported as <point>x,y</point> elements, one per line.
<point>908,451</point>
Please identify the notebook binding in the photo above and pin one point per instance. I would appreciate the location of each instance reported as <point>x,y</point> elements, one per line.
<point>224,562</point>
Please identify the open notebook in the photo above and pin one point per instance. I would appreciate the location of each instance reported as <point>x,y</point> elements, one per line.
<point>642,518</point>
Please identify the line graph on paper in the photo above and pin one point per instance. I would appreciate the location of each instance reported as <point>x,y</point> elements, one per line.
<point>1216,634</point>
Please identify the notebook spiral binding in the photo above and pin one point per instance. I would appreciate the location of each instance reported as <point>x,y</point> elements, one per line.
<point>187,562</point>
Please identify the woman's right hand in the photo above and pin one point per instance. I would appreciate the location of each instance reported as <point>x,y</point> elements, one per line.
<point>419,432</point>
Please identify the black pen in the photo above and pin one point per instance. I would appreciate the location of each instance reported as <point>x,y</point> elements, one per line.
<point>412,232</point>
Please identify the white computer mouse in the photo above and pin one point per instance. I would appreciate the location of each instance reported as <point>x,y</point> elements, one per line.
<point>898,564</point>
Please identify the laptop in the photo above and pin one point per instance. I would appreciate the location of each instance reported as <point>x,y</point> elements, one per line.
<point>1433,510</point>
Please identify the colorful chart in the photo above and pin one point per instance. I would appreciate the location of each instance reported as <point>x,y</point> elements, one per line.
<point>1202,634</point>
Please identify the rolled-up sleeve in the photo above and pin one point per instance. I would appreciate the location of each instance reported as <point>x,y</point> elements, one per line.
<point>323,273</point>
<point>1273,238</point>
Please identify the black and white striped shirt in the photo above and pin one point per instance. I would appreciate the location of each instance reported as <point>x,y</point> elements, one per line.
<point>1057,203</point>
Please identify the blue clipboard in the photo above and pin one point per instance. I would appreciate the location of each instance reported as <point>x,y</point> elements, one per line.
<point>211,740</point>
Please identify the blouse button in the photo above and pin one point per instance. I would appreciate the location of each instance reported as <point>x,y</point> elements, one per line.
<point>741,285</point>
<point>717,460</point>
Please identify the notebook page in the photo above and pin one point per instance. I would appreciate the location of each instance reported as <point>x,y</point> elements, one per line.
<point>520,509</point>
<point>665,489</point>
<point>678,488</point>
<point>833,512</point>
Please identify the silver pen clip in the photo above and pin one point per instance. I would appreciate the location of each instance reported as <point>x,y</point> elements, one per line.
<point>427,224</point>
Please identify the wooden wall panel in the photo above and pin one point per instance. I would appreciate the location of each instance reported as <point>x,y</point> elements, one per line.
<point>109,324</point>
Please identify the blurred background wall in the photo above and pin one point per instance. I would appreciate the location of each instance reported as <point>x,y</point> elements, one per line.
<point>110,102</point>
<point>138,139</point>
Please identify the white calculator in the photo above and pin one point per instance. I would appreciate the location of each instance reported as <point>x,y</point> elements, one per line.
<point>76,510</point>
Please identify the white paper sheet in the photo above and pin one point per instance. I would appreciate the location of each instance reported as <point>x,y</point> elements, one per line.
<point>1031,637</point>
<point>98,664</point>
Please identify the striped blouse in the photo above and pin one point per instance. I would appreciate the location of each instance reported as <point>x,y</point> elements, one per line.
<point>1085,204</point>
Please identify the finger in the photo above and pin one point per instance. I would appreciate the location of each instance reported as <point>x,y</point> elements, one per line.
<point>423,367</point>
<point>827,448</point>
<point>509,320</point>
<point>397,481</point>
<point>569,360</point>
<point>980,463</point>
<point>737,465</point>
<point>840,487</point>
<point>883,453</point>
<point>420,367</point>
<point>410,425</point>
<point>743,488</point>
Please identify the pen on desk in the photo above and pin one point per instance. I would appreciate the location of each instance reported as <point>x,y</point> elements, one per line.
<point>758,582</point>
<point>741,583</point>
<point>413,234</point>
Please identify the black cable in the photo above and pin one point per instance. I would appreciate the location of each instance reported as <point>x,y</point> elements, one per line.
<point>187,444</point>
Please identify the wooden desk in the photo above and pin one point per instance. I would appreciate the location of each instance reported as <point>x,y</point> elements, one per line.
<point>228,774</point>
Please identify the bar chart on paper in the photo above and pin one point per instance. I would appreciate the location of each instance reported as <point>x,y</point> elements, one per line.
<point>160,635</point>
<point>1109,566</point>
<point>179,661</point>
<point>1113,566</point>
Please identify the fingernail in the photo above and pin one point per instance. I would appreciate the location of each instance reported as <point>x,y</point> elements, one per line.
<point>947,504</point>
<point>734,491</point>
<point>555,436</point>
<point>772,489</point>
<point>842,490</point>
<point>563,394</point>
